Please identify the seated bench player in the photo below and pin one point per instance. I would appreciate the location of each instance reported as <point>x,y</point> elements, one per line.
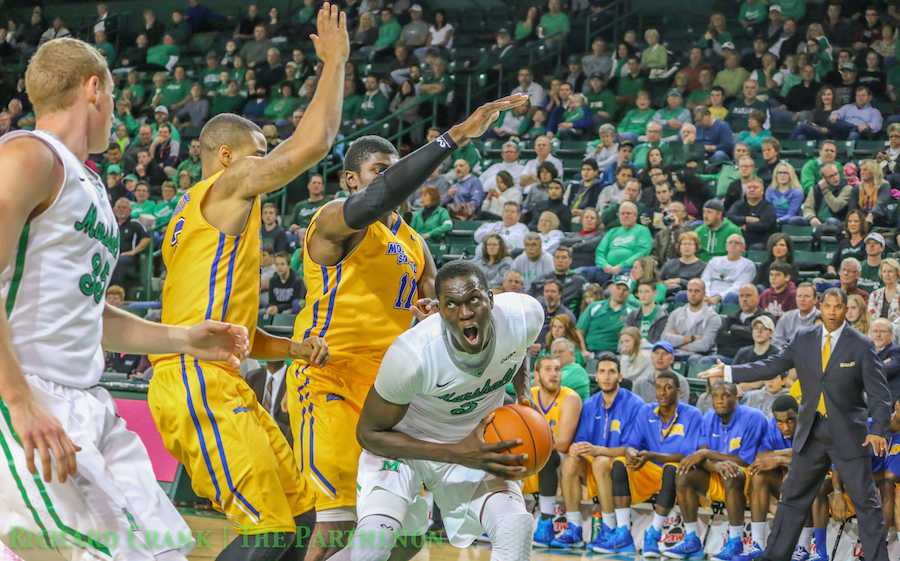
<point>561,407</point>
<point>601,436</point>
<point>718,470</point>
<point>664,433</point>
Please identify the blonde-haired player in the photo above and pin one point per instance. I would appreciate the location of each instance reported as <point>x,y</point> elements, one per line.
<point>58,245</point>
<point>561,406</point>
<point>209,417</point>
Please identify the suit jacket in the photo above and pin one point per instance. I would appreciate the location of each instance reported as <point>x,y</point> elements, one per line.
<point>854,377</point>
<point>256,379</point>
<point>890,358</point>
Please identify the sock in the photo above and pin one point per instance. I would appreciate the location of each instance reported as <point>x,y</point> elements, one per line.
<point>805,537</point>
<point>735,531</point>
<point>574,518</point>
<point>658,521</point>
<point>548,505</point>
<point>609,518</point>
<point>691,528</point>
<point>623,517</point>
<point>821,538</point>
<point>758,529</point>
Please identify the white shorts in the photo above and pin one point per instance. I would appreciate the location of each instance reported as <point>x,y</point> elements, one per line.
<point>458,491</point>
<point>113,508</point>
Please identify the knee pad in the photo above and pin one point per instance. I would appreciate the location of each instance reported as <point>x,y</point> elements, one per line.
<point>374,538</point>
<point>620,480</point>
<point>511,538</point>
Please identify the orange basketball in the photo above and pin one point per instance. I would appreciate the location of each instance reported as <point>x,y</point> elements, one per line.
<point>518,421</point>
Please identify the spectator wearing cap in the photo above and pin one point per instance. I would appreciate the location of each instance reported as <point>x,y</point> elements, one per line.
<point>724,276</point>
<point>598,62</point>
<point>828,202</point>
<point>692,329</point>
<point>857,120</point>
<point>714,135</point>
<point>804,316</point>
<point>781,296</point>
<point>733,76</point>
<point>740,109</point>
<point>754,214</point>
<point>415,33</point>
<point>601,101</point>
<point>843,91</point>
<point>115,188</point>
<point>662,356</point>
<point>762,331</point>
<point>870,270</point>
<point>160,118</point>
<point>583,194</point>
<point>624,244</point>
<point>601,322</point>
<point>884,302</point>
<point>575,75</point>
<point>715,230</point>
<point>673,116</point>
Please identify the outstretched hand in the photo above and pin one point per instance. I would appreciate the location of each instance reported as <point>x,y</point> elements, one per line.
<point>330,40</point>
<point>714,374</point>
<point>878,444</point>
<point>218,341</point>
<point>482,118</point>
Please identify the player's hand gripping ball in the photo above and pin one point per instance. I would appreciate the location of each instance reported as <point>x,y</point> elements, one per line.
<point>516,421</point>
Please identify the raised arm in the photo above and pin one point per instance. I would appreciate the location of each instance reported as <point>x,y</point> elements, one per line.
<point>339,220</point>
<point>312,139</point>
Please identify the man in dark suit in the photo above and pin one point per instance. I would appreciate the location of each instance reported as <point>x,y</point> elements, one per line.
<point>268,385</point>
<point>842,383</point>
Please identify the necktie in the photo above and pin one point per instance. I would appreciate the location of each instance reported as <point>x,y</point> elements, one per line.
<point>267,394</point>
<point>826,355</point>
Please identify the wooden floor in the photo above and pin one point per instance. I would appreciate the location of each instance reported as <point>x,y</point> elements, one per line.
<point>214,530</point>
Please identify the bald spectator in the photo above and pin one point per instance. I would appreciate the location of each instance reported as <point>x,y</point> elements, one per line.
<point>805,315</point>
<point>725,275</point>
<point>508,227</point>
<point>542,149</point>
<point>133,240</point>
<point>533,263</point>
<point>692,329</point>
<point>741,108</point>
<point>735,332</point>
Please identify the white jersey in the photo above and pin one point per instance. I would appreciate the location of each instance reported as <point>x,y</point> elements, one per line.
<point>54,290</point>
<point>446,402</point>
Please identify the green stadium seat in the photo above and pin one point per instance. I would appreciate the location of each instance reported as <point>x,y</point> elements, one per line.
<point>867,148</point>
<point>811,260</point>
<point>467,225</point>
<point>796,230</point>
<point>757,255</point>
<point>284,319</point>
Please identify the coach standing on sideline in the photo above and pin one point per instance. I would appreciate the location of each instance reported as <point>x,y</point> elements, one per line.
<point>836,365</point>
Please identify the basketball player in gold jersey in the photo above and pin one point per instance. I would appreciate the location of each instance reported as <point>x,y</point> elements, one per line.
<point>208,416</point>
<point>364,269</point>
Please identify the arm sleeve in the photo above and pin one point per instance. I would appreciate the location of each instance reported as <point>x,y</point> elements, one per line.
<point>837,203</point>
<point>795,200</point>
<point>752,439</point>
<point>708,340</point>
<point>600,254</point>
<point>395,184</point>
<point>767,369</point>
<point>669,334</point>
<point>399,378</point>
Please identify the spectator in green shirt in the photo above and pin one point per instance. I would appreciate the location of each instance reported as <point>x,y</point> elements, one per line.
<point>655,56</point>
<point>752,15</point>
<point>161,55</point>
<point>142,205</point>
<point>352,101</point>
<point>634,123</point>
<point>105,47</point>
<point>282,107</point>
<point>631,83</point>
<point>164,209</point>
<point>438,83</point>
<point>714,231</point>
<point>373,105</point>
<point>303,211</point>
<point>175,92</point>
<point>600,100</point>
<point>432,221</point>
<point>179,29</point>
<point>601,322</point>
<point>525,28</point>
<point>192,163</point>
<point>731,78</point>
<point>792,9</point>
<point>554,24</point>
<point>388,33</point>
<point>654,140</point>
<point>574,376</point>
<point>624,245</point>
<point>811,172</point>
<point>672,116</point>
<point>229,102</point>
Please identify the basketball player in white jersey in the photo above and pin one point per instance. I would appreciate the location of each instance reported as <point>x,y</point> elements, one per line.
<point>72,475</point>
<point>423,421</point>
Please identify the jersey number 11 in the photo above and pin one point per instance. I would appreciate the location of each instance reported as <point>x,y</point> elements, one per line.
<point>406,293</point>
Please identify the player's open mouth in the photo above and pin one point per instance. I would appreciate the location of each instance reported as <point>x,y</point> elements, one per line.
<point>471,334</point>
